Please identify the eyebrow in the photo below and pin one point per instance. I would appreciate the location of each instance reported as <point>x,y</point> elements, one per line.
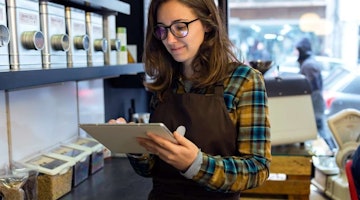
<point>177,20</point>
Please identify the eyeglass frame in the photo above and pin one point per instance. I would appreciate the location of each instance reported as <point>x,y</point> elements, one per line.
<point>169,28</point>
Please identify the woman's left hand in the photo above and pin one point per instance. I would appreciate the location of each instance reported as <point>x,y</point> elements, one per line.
<point>180,155</point>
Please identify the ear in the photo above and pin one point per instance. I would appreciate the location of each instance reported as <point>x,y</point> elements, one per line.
<point>207,29</point>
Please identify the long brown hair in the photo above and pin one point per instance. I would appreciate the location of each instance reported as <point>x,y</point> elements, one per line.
<point>212,63</point>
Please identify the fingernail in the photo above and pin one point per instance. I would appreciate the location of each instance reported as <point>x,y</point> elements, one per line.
<point>181,130</point>
<point>120,122</point>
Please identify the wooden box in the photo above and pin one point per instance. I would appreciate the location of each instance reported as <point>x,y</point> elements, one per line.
<point>296,173</point>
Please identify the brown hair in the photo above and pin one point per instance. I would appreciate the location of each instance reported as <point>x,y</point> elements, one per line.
<point>212,63</point>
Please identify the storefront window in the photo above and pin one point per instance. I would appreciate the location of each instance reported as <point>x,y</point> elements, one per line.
<point>268,29</point>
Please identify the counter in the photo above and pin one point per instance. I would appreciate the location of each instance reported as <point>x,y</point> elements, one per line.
<point>117,180</point>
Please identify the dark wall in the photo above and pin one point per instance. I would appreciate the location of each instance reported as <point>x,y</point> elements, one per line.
<point>123,93</point>
<point>134,24</point>
<point>120,91</point>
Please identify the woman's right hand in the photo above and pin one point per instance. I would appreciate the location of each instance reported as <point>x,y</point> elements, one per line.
<point>119,120</point>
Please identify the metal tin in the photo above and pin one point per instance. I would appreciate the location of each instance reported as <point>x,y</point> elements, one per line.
<point>98,44</point>
<point>79,40</point>
<point>56,40</point>
<point>27,39</point>
<point>4,38</point>
<point>110,35</point>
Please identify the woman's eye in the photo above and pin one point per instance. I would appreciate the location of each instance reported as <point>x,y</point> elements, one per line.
<point>180,27</point>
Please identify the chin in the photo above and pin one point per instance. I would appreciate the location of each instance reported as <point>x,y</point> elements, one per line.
<point>179,59</point>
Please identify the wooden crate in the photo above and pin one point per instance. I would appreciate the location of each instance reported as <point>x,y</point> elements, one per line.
<point>296,185</point>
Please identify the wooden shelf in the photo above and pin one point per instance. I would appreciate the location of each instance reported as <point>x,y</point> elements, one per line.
<point>10,80</point>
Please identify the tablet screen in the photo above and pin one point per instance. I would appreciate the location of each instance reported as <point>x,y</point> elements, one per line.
<point>121,138</point>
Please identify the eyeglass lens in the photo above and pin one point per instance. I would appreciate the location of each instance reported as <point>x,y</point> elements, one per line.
<point>178,29</point>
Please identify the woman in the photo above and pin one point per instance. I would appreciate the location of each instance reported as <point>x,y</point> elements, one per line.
<point>198,83</point>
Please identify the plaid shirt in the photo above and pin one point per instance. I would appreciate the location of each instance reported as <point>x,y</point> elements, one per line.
<point>246,100</point>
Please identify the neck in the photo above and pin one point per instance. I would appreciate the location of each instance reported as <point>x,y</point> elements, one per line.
<point>187,72</point>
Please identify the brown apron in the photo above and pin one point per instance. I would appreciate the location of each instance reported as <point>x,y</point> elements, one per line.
<point>208,125</point>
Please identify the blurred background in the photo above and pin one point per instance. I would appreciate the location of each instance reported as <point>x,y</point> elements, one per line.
<point>270,29</point>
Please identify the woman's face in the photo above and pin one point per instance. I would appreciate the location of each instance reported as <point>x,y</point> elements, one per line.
<point>182,49</point>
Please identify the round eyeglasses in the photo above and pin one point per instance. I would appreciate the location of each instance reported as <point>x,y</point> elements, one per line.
<point>178,29</point>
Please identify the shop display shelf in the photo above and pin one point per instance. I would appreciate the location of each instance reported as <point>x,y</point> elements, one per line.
<point>10,80</point>
<point>108,6</point>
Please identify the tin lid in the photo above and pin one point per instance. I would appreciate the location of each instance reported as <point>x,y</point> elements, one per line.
<point>70,153</point>
<point>49,165</point>
<point>87,143</point>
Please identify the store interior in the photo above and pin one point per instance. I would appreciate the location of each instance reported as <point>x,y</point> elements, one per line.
<point>92,73</point>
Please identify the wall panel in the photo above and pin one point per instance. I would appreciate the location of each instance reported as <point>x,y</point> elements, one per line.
<point>42,117</point>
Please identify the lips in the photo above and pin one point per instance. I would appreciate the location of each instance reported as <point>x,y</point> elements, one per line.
<point>176,50</point>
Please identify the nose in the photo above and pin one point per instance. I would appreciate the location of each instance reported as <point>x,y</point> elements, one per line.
<point>170,37</point>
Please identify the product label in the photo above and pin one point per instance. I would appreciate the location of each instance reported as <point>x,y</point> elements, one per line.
<point>97,30</point>
<point>78,27</point>
<point>66,151</point>
<point>57,23</point>
<point>28,18</point>
<point>86,143</point>
<point>47,162</point>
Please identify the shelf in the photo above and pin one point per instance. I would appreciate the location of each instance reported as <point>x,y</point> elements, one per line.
<point>104,6</point>
<point>10,80</point>
<point>17,79</point>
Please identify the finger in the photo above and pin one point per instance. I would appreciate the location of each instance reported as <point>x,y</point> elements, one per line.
<point>146,143</point>
<point>160,141</point>
<point>158,145</point>
<point>120,120</point>
<point>112,121</point>
<point>181,130</point>
<point>181,139</point>
<point>151,147</point>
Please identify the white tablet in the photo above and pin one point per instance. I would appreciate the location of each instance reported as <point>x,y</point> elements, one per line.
<point>121,138</point>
